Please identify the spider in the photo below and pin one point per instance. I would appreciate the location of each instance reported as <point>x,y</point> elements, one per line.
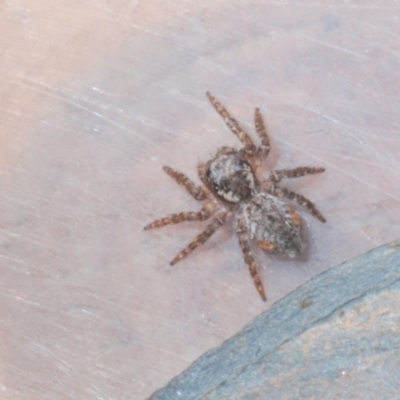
<point>230,186</point>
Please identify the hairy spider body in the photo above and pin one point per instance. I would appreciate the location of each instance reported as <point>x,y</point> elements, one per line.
<point>230,177</point>
<point>230,186</point>
<point>273,223</point>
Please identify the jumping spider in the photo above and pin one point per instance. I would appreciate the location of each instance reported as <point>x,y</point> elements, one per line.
<point>230,186</point>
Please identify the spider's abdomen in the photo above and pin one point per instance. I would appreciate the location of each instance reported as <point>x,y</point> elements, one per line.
<point>230,177</point>
<point>274,224</point>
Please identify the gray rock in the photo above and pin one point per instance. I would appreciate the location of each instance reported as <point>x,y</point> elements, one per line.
<point>336,337</point>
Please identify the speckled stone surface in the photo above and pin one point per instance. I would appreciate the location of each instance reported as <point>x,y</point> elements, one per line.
<point>336,337</point>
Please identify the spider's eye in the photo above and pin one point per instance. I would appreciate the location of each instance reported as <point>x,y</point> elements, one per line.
<point>217,186</point>
<point>244,165</point>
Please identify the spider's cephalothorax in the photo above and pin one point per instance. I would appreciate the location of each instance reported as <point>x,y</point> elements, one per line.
<point>230,185</point>
<point>230,177</point>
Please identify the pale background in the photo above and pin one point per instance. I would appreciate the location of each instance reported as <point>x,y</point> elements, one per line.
<point>97,96</point>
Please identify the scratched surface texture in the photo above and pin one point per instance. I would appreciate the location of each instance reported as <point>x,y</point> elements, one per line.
<point>96,96</point>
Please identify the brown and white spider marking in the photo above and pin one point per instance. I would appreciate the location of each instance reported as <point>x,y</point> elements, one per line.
<point>230,186</point>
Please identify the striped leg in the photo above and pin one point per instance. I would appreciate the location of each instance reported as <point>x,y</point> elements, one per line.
<point>217,222</point>
<point>251,265</point>
<point>278,175</point>
<point>299,199</point>
<point>197,192</point>
<point>265,147</point>
<point>233,125</point>
<point>207,210</point>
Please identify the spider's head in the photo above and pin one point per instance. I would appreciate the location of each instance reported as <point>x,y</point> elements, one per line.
<point>229,176</point>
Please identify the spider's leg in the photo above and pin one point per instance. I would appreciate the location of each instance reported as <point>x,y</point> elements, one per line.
<point>201,171</point>
<point>249,260</point>
<point>250,148</point>
<point>265,147</point>
<point>217,222</point>
<point>208,208</point>
<point>197,192</point>
<point>298,198</point>
<point>278,175</point>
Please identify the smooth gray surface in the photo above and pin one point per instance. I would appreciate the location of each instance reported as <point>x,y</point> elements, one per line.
<point>338,336</point>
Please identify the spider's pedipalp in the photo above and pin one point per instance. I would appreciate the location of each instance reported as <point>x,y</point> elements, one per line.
<point>197,192</point>
<point>299,199</point>
<point>250,148</point>
<point>217,222</point>
<point>249,260</point>
<point>278,175</point>
<point>265,147</point>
